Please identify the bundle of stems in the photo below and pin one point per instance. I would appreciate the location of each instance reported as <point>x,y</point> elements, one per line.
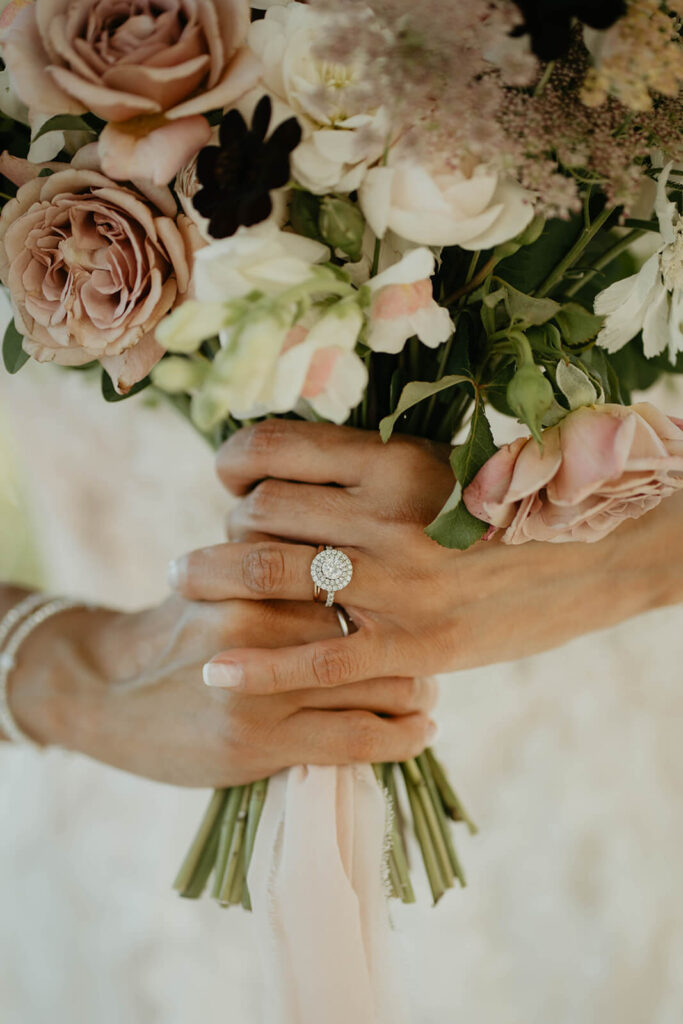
<point>224,841</point>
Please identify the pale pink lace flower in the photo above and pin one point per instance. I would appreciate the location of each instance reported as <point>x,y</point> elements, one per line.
<point>599,466</point>
<point>150,69</point>
<point>92,267</point>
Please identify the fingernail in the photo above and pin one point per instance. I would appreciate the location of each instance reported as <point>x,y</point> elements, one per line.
<point>174,573</point>
<point>433,730</point>
<point>223,673</point>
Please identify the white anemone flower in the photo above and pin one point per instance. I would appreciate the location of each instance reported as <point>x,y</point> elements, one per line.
<point>652,299</point>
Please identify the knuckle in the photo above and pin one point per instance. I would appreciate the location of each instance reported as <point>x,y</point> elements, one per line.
<point>263,438</point>
<point>264,498</point>
<point>331,666</point>
<point>408,694</point>
<point>418,735</point>
<point>263,569</point>
<point>362,739</point>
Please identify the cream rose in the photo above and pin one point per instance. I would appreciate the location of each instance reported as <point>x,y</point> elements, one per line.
<point>92,267</point>
<point>599,466</point>
<point>444,208</point>
<point>342,136</point>
<point>152,69</point>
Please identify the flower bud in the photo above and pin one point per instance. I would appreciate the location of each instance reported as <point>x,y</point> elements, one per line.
<point>190,324</point>
<point>342,226</point>
<point>176,375</point>
<point>530,395</point>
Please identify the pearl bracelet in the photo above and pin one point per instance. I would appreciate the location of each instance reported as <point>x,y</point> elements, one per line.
<point>23,619</point>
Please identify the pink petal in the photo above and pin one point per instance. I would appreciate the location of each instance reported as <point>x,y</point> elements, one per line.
<point>132,365</point>
<point>26,59</point>
<point>485,496</point>
<point>157,155</point>
<point>595,446</point>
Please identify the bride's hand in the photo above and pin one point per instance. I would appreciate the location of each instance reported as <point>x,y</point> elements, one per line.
<point>126,689</point>
<point>419,607</point>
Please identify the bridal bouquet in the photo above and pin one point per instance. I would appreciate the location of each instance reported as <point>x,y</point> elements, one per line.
<point>372,212</point>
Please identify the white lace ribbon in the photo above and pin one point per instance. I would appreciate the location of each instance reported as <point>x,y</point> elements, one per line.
<point>319,905</point>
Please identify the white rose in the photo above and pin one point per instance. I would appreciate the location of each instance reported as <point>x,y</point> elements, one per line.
<point>339,141</point>
<point>445,208</point>
<point>260,258</point>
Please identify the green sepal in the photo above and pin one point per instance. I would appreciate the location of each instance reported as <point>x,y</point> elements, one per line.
<point>13,354</point>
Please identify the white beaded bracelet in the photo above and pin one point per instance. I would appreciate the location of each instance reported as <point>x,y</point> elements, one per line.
<point>34,610</point>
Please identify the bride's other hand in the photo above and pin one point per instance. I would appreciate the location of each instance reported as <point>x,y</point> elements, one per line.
<point>126,689</point>
<point>419,607</point>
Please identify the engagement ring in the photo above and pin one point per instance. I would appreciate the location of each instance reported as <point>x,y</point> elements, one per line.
<point>331,570</point>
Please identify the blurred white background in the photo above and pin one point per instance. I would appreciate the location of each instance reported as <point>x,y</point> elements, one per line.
<point>571,762</point>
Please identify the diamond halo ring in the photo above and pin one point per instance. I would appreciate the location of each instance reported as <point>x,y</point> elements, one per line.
<point>331,570</point>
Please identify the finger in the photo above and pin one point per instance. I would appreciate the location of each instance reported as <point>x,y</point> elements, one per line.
<point>388,696</point>
<point>260,571</point>
<point>348,737</point>
<point>324,664</point>
<point>273,624</point>
<point>319,453</point>
<point>301,512</point>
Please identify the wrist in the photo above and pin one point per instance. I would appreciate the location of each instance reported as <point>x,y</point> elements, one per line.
<point>56,689</point>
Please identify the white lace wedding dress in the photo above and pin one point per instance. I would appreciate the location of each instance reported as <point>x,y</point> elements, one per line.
<point>571,762</point>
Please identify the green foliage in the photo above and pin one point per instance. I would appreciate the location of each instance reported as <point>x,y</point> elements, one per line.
<point>110,394</point>
<point>414,392</point>
<point>342,225</point>
<point>64,123</point>
<point>304,211</point>
<point>527,268</point>
<point>576,324</point>
<point>13,354</point>
<point>455,526</point>
<point>530,396</point>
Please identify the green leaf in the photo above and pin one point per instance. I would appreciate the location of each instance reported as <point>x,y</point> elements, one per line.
<point>530,266</point>
<point>13,354</point>
<point>414,392</point>
<point>63,123</point>
<point>468,458</point>
<point>110,394</point>
<point>530,310</point>
<point>457,528</point>
<point>577,325</point>
<point>304,211</point>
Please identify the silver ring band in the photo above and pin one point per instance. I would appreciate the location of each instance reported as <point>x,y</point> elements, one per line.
<point>343,621</point>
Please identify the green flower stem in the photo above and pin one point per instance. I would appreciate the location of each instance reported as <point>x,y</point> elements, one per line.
<point>205,830</point>
<point>444,823</point>
<point>424,838</point>
<point>448,795</point>
<point>398,846</point>
<point>225,838</point>
<point>203,869</point>
<point>256,802</point>
<point>235,847</point>
<point>586,236</point>
<point>610,254</point>
<point>423,795</point>
<point>236,895</point>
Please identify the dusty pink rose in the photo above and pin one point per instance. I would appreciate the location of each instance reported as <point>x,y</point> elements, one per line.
<point>152,69</point>
<point>599,466</point>
<point>92,267</point>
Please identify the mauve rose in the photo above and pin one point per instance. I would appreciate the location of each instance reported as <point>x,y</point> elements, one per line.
<point>600,465</point>
<point>92,267</point>
<point>152,69</point>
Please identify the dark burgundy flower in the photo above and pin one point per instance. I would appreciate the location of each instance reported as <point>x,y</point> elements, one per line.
<point>548,22</point>
<point>238,175</point>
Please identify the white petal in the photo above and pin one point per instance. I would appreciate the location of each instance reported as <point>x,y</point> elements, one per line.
<point>517,211</point>
<point>432,325</point>
<point>656,323</point>
<point>416,265</point>
<point>665,210</point>
<point>345,390</point>
<point>389,335</point>
<point>375,198</point>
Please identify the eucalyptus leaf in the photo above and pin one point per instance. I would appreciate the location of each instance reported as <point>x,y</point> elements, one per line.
<point>110,394</point>
<point>577,325</point>
<point>13,354</point>
<point>575,385</point>
<point>64,123</point>
<point>413,393</point>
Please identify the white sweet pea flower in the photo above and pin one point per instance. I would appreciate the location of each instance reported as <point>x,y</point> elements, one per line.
<point>652,299</point>
<point>403,305</point>
<point>445,207</point>
<point>260,258</point>
<point>340,141</point>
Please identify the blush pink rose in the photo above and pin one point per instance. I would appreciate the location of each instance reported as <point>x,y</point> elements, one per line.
<point>599,466</point>
<point>92,267</point>
<point>152,69</point>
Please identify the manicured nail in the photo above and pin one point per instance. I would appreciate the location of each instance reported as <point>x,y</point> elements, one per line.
<point>174,573</point>
<point>223,673</point>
